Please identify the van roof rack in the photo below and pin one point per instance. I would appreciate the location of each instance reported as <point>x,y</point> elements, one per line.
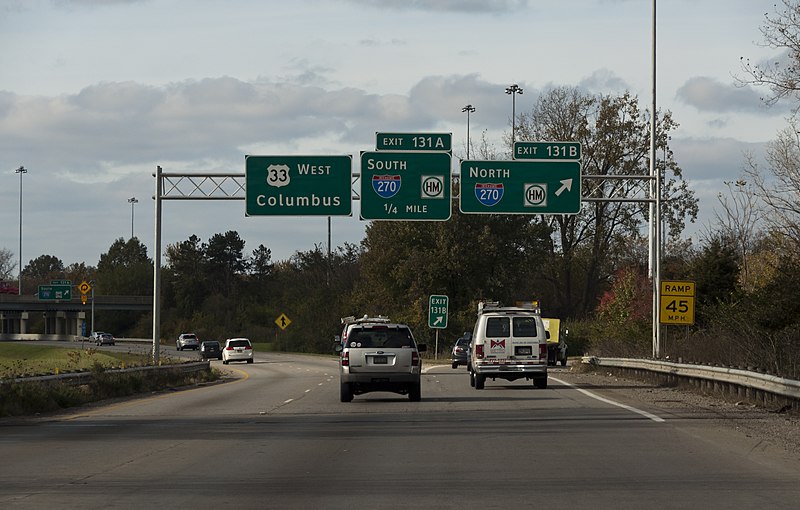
<point>496,306</point>
<point>366,318</point>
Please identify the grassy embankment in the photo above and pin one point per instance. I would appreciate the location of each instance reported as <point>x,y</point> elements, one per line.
<point>28,360</point>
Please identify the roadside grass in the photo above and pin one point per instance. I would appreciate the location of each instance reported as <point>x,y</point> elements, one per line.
<point>25,360</point>
<point>33,397</point>
<point>259,346</point>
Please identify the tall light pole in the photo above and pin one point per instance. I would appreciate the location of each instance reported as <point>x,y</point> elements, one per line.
<point>513,90</point>
<point>21,170</point>
<point>132,201</point>
<point>469,109</point>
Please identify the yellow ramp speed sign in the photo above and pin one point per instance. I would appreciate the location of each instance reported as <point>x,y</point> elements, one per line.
<point>677,302</point>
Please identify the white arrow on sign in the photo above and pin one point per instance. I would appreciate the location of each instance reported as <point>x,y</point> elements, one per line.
<point>566,184</point>
<point>438,320</point>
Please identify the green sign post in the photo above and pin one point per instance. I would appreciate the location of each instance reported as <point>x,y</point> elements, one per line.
<point>414,141</point>
<point>405,186</point>
<point>520,187</point>
<point>55,292</point>
<point>547,150</point>
<point>437,311</point>
<point>298,185</point>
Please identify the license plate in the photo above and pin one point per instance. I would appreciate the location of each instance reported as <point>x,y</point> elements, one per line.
<point>380,360</point>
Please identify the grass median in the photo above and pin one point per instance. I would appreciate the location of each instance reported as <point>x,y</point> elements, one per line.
<point>22,395</point>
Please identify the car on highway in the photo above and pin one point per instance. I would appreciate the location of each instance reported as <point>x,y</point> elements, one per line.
<point>460,354</point>
<point>380,357</point>
<point>104,339</point>
<point>210,349</point>
<point>187,341</point>
<point>237,349</point>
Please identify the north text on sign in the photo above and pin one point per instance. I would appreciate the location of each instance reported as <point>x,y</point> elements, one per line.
<point>489,173</point>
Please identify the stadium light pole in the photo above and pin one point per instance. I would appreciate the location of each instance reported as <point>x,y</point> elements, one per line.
<point>513,90</point>
<point>21,170</point>
<point>132,201</point>
<point>468,109</point>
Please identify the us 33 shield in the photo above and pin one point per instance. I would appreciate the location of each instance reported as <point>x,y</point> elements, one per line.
<point>489,194</point>
<point>386,186</point>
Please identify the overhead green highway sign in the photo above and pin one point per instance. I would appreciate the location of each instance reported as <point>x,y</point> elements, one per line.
<point>520,187</point>
<point>298,185</point>
<point>547,150</point>
<point>405,185</point>
<point>55,292</point>
<point>414,141</point>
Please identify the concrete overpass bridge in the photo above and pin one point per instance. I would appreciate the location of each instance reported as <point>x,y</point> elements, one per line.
<point>61,317</point>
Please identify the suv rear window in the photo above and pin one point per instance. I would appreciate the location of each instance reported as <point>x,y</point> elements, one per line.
<point>189,337</point>
<point>238,343</point>
<point>524,326</point>
<point>380,338</point>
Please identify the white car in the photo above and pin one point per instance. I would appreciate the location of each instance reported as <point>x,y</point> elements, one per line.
<point>237,349</point>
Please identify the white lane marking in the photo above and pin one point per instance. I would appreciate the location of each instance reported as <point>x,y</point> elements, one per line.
<point>287,401</point>
<point>307,391</point>
<point>612,402</point>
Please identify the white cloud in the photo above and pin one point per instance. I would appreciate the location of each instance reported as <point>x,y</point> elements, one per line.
<point>711,95</point>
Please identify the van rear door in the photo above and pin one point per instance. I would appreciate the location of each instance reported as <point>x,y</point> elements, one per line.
<point>528,338</point>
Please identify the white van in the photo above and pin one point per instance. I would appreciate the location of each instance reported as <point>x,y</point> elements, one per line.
<point>508,343</point>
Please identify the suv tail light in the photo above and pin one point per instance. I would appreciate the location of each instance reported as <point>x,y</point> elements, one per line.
<point>345,359</point>
<point>229,348</point>
<point>479,351</point>
<point>542,351</point>
<point>415,359</point>
<point>246,347</point>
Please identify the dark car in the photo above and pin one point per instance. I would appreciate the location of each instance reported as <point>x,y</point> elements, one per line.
<point>104,339</point>
<point>461,350</point>
<point>210,349</point>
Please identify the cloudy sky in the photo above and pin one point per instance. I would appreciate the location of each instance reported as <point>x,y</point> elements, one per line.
<point>94,94</point>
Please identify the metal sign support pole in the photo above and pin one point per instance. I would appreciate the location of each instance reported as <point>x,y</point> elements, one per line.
<point>655,217</point>
<point>157,270</point>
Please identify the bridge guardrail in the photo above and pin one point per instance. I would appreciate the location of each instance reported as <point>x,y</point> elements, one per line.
<point>744,383</point>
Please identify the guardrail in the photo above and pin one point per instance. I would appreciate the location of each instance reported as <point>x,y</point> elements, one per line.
<point>745,385</point>
<point>78,378</point>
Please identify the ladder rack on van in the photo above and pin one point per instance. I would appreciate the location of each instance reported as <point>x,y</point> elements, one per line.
<point>365,319</point>
<point>495,306</point>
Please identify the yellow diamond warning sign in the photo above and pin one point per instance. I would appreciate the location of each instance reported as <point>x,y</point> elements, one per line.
<point>283,321</point>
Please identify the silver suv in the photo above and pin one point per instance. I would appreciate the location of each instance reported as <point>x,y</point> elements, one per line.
<point>380,357</point>
<point>187,341</point>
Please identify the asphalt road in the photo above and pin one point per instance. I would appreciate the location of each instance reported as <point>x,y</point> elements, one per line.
<point>277,436</point>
